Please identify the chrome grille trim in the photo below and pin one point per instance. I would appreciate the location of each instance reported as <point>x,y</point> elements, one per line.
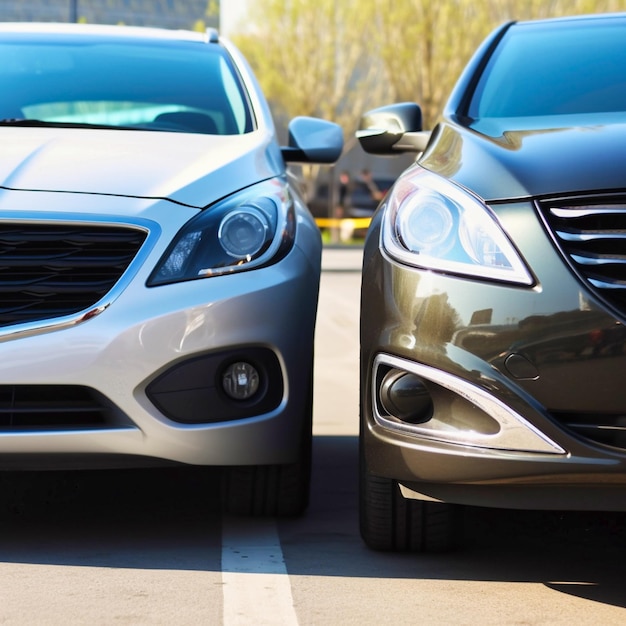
<point>515,432</point>
<point>104,291</point>
<point>590,233</point>
<point>570,212</point>
<point>605,284</point>
<point>594,259</point>
<point>583,237</point>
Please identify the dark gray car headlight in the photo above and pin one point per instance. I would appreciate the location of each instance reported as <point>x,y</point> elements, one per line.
<point>432,223</point>
<point>249,229</point>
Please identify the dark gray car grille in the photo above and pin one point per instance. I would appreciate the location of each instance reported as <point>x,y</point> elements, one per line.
<point>591,234</point>
<point>605,428</point>
<point>49,271</point>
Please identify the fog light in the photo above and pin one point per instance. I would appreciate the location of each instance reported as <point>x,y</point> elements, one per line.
<point>240,380</point>
<point>403,395</point>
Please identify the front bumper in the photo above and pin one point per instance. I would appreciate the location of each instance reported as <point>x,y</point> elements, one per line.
<point>524,405</point>
<point>143,335</point>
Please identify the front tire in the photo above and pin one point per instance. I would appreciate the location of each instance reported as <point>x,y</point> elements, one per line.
<point>391,523</point>
<point>267,490</point>
<point>272,490</point>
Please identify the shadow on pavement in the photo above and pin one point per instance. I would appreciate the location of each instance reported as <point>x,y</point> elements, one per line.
<point>170,519</point>
<point>581,554</point>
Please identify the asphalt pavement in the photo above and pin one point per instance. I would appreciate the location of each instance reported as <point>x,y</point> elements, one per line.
<point>342,258</point>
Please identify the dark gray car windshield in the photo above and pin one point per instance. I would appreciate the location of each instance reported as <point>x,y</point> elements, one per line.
<point>566,68</point>
<point>153,85</point>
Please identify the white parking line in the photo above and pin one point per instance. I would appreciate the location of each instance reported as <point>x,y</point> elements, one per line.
<point>254,577</point>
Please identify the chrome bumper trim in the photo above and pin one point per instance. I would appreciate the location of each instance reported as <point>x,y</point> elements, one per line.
<point>515,433</point>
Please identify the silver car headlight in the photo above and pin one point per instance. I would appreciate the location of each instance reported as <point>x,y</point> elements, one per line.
<point>431,223</point>
<point>249,229</point>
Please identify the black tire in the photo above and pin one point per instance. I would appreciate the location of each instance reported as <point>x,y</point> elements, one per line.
<point>391,523</point>
<point>272,490</point>
<point>266,490</point>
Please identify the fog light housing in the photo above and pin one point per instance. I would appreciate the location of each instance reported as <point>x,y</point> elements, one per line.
<point>240,380</point>
<point>403,395</point>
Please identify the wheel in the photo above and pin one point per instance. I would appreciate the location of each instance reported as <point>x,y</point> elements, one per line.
<point>266,490</point>
<point>272,490</point>
<point>389,522</point>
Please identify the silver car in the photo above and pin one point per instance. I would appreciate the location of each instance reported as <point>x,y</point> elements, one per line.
<point>159,270</point>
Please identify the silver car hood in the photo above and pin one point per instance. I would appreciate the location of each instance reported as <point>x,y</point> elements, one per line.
<point>189,169</point>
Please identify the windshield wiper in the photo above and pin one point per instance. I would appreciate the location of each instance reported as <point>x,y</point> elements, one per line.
<point>18,121</point>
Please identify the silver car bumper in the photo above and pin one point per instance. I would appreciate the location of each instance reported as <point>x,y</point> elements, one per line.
<point>144,334</point>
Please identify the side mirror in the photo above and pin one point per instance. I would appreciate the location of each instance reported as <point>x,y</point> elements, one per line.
<point>312,140</point>
<point>392,129</point>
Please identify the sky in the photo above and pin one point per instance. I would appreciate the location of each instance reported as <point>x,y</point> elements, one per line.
<point>231,13</point>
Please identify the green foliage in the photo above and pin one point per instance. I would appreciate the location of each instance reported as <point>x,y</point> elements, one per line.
<point>424,45</point>
<point>212,8</point>
<point>199,26</point>
<point>336,58</point>
<point>311,56</point>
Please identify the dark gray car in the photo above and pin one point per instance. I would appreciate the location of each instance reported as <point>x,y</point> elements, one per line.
<point>493,346</point>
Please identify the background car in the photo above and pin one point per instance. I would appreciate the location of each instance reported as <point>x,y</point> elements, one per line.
<point>160,269</point>
<point>493,302</point>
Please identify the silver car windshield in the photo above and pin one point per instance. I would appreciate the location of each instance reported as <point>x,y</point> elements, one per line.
<point>168,86</point>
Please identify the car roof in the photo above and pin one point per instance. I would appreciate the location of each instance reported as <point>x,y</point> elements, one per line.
<point>589,17</point>
<point>106,30</point>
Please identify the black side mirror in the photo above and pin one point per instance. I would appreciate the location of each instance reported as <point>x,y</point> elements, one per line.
<point>312,140</point>
<point>392,129</point>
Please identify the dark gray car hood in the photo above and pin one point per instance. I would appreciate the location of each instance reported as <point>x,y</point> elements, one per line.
<point>189,169</point>
<point>500,164</point>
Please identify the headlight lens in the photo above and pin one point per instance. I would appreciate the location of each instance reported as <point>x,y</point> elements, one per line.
<point>244,232</point>
<point>247,230</point>
<point>432,223</point>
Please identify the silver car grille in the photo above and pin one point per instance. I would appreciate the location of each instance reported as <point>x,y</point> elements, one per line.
<point>591,234</point>
<point>56,407</point>
<point>49,271</point>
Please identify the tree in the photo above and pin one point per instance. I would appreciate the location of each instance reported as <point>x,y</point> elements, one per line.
<point>314,57</point>
<point>424,45</point>
<point>337,58</point>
